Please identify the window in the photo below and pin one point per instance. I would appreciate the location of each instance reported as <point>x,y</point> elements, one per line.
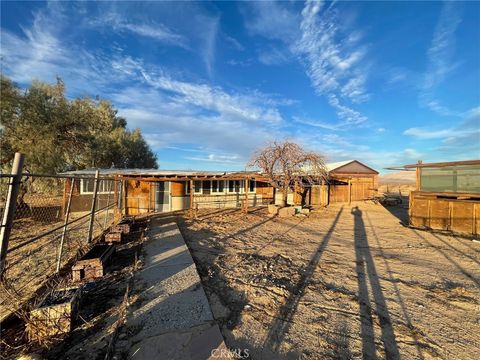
<point>206,187</point>
<point>236,186</point>
<point>218,186</point>
<point>187,187</point>
<point>87,186</point>
<point>251,185</point>
<point>197,185</point>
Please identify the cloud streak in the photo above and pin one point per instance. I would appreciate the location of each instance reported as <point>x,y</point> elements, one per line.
<point>440,59</point>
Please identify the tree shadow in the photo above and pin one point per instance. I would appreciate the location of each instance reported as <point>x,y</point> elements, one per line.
<point>283,321</point>
<point>365,266</point>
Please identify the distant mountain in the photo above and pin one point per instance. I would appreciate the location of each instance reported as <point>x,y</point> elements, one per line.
<point>400,177</point>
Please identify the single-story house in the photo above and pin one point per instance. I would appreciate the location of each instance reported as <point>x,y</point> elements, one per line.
<point>139,191</point>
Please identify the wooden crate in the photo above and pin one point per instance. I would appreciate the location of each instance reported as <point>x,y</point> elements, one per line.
<point>92,265</point>
<point>114,237</point>
<point>55,316</point>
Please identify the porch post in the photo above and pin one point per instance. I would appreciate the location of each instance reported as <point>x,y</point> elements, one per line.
<point>246,195</point>
<point>191,197</point>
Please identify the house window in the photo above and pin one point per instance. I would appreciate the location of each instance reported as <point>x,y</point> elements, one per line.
<point>217,186</point>
<point>251,185</point>
<point>206,187</point>
<point>87,186</point>
<point>187,187</point>
<point>197,185</point>
<point>236,186</point>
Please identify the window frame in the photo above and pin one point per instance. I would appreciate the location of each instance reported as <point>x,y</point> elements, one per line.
<point>101,188</point>
<point>216,189</point>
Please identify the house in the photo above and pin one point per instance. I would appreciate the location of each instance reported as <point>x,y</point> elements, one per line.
<point>138,191</point>
<point>447,196</point>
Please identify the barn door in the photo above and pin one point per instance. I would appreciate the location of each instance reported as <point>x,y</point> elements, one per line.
<point>162,196</point>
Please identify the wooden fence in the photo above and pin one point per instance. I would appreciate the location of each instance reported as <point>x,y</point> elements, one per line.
<point>443,213</point>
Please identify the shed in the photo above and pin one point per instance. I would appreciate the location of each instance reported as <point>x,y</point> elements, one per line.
<point>447,196</point>
<point>349,180</point>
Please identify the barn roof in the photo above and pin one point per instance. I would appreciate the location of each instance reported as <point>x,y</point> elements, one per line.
<point>349,166</point>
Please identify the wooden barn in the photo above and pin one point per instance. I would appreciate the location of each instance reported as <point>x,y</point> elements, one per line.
<point>447,196</point>
<point>347,181</point>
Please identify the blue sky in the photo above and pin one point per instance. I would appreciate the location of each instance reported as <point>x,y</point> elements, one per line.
<point>386,83</point>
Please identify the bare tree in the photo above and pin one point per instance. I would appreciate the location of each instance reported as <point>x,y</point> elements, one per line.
<point>288,166</point>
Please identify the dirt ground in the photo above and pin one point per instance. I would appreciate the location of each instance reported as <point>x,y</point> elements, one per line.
<point>345,282</point>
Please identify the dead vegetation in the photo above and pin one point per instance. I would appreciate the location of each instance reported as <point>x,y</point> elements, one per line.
<point>101,312</point>
<point>345,282</point>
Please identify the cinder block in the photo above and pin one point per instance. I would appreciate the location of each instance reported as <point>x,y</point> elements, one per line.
<point>114,237</point>
<point>273,209</point>
<point>55,315</point>
<point>286,211</point>
<point>92,264</point>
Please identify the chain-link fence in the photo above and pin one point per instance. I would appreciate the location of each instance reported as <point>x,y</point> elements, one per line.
<point>56,218</point>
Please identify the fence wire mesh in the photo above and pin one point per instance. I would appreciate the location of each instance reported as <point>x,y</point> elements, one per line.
<point>47,233</point>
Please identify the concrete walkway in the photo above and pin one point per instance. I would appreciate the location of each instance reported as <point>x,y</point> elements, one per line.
<point>171,319</point>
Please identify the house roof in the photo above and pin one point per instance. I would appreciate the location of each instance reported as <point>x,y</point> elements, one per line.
<point>157,172</point>
<point>349,166</point>
<point>338,164</point>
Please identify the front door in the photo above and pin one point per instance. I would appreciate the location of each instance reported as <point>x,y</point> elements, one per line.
<point>162,196</point>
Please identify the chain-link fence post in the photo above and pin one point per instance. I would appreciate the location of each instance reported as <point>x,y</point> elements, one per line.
<point>67,216</point>
<point>94,202</point>
<point>10,207</point>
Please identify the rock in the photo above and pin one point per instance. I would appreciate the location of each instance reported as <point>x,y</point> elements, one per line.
<point>305,211</point>
<point>286,211</point>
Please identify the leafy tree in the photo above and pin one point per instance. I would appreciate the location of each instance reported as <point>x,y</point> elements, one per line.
<point>57,134</point>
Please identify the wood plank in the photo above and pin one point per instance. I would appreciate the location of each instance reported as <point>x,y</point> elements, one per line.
<point>462,219</point>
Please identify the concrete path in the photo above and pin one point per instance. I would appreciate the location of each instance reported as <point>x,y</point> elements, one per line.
<point>171,319</point>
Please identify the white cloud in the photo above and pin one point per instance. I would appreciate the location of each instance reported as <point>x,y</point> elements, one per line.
<point>209,46</point>
<point>273,20</point>
<point>458,140</point>
<point>439,59</point>
<point>426,134</point>
<point>234,42</point>
<point>273,56</point>
<point>331,65</point>
<point>329,50</point>
<point>156,31</point>
<point>346,114</point>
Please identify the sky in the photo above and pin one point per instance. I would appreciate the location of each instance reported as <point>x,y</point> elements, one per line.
<point>386,83</point>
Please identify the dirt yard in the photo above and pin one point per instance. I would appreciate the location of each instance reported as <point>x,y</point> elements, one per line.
<point>345,282</point>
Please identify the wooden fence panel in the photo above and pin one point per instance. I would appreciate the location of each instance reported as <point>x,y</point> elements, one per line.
<point>458,215</point>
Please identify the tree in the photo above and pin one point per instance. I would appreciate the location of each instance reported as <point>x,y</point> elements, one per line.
<point>58,134</point>
<point>287,166</point>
